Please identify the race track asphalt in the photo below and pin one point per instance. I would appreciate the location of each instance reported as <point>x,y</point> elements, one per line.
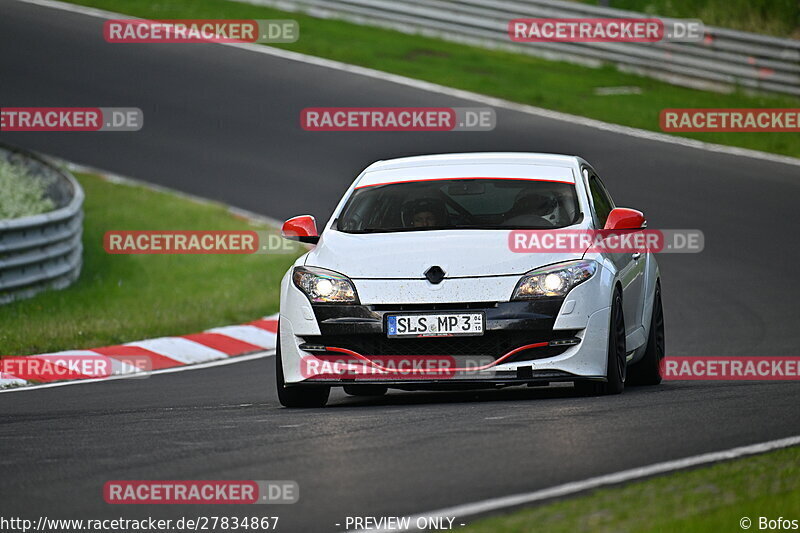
<point>223,123</point>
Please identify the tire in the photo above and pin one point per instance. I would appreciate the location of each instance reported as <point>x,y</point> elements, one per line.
<point>365,390</point>
<point>297,397</point>
<point>617,365</point>
<point>648,370</point>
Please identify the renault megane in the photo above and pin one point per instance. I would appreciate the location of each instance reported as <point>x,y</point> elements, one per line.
<point>412,284</point>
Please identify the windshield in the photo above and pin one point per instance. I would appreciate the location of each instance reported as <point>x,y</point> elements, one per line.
<point>483,203</point>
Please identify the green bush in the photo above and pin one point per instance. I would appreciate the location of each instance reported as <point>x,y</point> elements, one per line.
<point>21,194</point>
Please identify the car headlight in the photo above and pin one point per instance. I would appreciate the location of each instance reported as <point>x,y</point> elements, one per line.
<point>324,286</point>
<point>553,280</point>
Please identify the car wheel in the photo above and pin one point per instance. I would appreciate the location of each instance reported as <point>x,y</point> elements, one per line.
<point>617,362</point>
<point>316,396</point>
<point>648,370</point>
<point>365,390</point>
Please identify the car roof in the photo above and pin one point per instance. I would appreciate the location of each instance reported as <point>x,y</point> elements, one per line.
<point>509,165</point>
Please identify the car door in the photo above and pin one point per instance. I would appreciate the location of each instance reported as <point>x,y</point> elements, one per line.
<point>630,266</point>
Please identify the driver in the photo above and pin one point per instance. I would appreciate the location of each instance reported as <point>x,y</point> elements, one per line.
<point>541,205</point>
<point>425,213</point>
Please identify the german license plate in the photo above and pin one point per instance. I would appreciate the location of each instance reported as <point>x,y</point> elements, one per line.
<point>435,325</point>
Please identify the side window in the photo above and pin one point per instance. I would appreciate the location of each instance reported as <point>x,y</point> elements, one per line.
<point>600,199</point>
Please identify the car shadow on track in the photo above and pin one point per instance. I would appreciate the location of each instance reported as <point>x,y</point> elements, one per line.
<point>398,397</point>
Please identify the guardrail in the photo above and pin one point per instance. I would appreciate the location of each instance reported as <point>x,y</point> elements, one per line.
<point>724,59</point>
<point>42,251</point>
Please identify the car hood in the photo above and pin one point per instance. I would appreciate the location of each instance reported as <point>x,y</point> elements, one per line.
<point>407,255</point>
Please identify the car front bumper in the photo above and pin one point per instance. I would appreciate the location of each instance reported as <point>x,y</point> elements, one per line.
<point>523,342</point>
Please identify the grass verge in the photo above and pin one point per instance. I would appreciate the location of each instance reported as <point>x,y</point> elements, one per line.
<point>122,298</point>
<point>713,498</point>
<point>516,77</point>
<point>773,17</point>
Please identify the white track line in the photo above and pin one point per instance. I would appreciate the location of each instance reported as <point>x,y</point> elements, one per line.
<point>458,93</point>
<point>568,489</point>
<point>199,366</point>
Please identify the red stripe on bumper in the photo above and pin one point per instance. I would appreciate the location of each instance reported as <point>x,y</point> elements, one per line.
<point>377,366</point>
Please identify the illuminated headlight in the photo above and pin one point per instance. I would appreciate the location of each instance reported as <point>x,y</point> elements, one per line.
<point>324,286</point>
<point>553,280</point>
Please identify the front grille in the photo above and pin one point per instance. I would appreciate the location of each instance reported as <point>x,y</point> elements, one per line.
<point>493,344</point>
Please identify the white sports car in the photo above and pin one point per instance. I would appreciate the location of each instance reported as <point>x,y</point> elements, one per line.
<point>413,284</point>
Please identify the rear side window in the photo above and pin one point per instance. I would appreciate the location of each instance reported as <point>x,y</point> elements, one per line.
<point>603,204</point>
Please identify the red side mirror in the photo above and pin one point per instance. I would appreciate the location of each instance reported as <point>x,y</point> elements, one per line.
<point>624,218</point>
<point>302,228</point>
